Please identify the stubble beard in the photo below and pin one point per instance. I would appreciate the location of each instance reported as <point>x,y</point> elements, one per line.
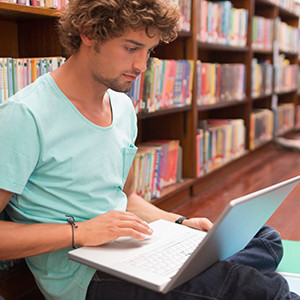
<point>114,84</point>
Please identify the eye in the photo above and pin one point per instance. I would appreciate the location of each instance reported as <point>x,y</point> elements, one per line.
<point>131,49</point>
<point>151,51</point>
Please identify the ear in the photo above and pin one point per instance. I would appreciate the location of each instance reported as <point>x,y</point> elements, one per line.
<point>86,40</point>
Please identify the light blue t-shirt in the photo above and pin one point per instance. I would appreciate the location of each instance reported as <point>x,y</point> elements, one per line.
<point>59,163</point>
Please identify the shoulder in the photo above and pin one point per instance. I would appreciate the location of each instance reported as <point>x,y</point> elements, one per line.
<point>34,97</point>
<point>33,92</point>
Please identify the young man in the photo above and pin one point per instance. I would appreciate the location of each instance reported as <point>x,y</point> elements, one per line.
<point>67,144</point>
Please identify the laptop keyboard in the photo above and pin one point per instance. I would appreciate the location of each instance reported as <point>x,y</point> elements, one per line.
<point>166,259</point>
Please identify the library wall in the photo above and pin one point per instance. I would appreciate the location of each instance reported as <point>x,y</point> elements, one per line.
<point>226,86</point>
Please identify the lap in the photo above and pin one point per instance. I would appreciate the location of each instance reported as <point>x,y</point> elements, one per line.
<point>224,280</point>
<point>248,274</point>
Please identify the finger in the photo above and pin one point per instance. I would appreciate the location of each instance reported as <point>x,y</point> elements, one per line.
<point>130,232</point>
<point>206,224</point>
<point>128,216</point>
<point>199,223</point>
<point>125,215</point>
<point>137,226</point>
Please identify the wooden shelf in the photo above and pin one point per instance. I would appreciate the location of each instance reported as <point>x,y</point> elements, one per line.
<point>17,11</point>
<point>287,13</point>
<point>262,51</point>
<point>164,111</point>
<point>27,31</point>
<point>221,105</point>
<point>220,47</point>
<point>266,2</point>
<point>174,194</point>
<point>256,98</point>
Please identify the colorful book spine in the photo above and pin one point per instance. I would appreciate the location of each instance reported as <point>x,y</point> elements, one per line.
<point>220,23</point>
<point>220,82</point>
<point>262,78</point>
<point>156,166</point>
<point>219,141</point>
<point>185,18</point>
<point>284,118</point>
<point>16,73</point>
<point>262,33</point>
<point>261,127</point>
<point>165,83</point>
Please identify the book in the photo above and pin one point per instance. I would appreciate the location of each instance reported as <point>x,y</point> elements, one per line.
<point>219,141</point>
<point>200,153</point>
<point>23,2</point>
<point>226,7</point>
<point>178,84</point>
<point>168,160</point>
<point>35,2</point>
<point>261,127</point>
<point>16,73</point>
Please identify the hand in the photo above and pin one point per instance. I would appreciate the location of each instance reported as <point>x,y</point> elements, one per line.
<point>203,224</point>
<point>110,226</point>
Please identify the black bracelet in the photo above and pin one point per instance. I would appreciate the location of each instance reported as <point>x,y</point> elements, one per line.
<point>71,221</point>
<point>181,219</point>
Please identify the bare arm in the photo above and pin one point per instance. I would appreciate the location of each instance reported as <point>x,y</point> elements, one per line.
<point>25,240</point>
<point>22,240</point>
<point>150,213</point>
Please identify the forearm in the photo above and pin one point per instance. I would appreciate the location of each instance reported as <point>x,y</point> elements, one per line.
<point>143,209</point>
<point>22,240</point>
<point>147,211</point>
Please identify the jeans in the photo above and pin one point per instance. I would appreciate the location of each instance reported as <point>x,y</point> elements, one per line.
<point>248,274</point>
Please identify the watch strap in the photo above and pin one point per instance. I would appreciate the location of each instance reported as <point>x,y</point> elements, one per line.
<point>181,219</point>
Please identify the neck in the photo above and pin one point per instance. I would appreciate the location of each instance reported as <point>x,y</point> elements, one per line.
<point>77,83</point>
<point>89,97</point>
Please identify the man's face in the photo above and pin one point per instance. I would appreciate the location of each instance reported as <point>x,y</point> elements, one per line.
<point>116,63</point>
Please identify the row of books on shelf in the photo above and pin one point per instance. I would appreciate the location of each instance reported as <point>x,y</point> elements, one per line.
<point>221,23</point>
<point>220,82</point>
<point>165,83</point>
<point>287,36</point>
<point>156,165</point>
<point>285,77</point>
<point>185,18</point>
<point>262,33</point>
<point>16,73</point>
<point>290,5</point>
<point>284,118</point>
<point>185,5</point>
<point>219,141</point>
<point>58,4</point>
<point>267,123</point>
<point>262,77</point>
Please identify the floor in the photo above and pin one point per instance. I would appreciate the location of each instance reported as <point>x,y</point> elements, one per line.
<point>263,167</point>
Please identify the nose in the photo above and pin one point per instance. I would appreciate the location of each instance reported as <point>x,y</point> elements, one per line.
<point>140,62</point>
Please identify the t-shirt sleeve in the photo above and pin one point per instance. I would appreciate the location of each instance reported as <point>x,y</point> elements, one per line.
<point>19,146</point>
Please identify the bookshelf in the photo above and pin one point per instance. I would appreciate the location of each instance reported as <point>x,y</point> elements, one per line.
<point>28,31</point>
<point>31,32</point>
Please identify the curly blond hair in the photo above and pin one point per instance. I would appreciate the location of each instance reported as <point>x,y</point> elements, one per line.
<point>105,19</point>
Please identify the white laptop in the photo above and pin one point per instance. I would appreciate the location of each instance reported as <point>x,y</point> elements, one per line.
<point>139,261</point>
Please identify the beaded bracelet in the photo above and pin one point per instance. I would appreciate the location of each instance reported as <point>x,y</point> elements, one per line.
<point>71,221</point>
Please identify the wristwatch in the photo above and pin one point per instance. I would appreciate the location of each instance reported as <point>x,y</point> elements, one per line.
<point>181,219</point>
